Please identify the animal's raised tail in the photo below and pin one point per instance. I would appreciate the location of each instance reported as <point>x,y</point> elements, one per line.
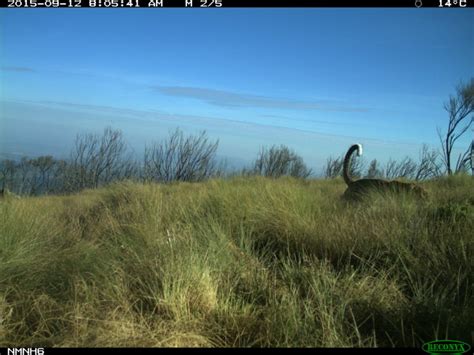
<point>347,162</point>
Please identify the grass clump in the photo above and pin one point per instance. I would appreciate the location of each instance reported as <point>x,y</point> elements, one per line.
<point>241,262</point>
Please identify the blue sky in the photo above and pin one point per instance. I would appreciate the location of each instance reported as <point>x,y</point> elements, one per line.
<point>314,79</point>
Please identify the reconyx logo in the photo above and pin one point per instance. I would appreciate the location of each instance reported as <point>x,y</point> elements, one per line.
<point>446,347</point>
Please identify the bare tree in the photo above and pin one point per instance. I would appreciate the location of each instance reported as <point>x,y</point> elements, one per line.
<point>39,175</point>
<point>460,109</point>
<point>7,173</point>
<point>44,166</point>
<point>391,169</point>
<point>180,158</point>
<point>59,176</point>
<point>278,161</point>
<point>24,176</point>
<point>405,168</point>
<point>96,160</point>
<point>429,165</point>
<point>333,167</point>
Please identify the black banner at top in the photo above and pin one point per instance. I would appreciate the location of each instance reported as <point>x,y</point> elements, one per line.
<point>121,4</point>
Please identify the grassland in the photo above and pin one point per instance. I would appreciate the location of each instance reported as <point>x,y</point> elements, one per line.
<point>238,262</point>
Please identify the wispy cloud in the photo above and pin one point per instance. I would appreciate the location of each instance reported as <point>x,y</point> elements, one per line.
<point>232,99</point>
<point>97,108</point>
<point>17,69</point>
<point>326,122</point>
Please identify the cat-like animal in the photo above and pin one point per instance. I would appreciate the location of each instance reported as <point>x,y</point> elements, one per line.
<point>357,189</point>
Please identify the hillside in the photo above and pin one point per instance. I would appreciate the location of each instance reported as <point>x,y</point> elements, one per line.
<point>237,262</point>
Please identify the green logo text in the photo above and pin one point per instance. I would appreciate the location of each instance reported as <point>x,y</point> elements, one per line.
<point>446,347</point>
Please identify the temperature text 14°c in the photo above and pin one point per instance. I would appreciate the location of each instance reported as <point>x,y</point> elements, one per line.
<point>449,3</point>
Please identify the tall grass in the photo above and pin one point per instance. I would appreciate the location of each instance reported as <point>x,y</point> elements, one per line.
<point>241,262</point>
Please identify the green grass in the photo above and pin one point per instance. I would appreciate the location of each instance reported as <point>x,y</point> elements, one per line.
<point>240,262</point>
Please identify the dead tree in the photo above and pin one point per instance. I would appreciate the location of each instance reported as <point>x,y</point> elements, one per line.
<point>279,161</point>
<point>429,166</point>
<point>96,160</point>
<point>460,109</point>
<point>180,158</point>
<point>333,167</point>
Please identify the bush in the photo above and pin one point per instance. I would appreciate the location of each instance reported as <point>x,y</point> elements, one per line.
<point>181,158</point>
<point>279,161</point>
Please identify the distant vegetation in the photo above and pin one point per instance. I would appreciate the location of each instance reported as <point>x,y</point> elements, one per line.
<point>98,160</point>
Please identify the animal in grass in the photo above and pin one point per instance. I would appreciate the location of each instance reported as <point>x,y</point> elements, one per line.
<point>357,189</point>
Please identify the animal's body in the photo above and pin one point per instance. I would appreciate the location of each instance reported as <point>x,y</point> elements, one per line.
<point>356,189</point>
